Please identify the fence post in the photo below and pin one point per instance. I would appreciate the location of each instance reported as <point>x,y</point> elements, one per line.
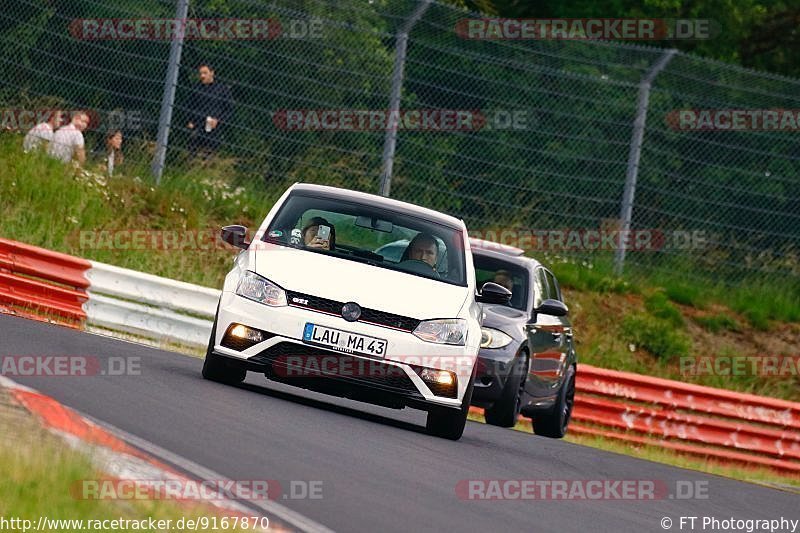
<point>390,139</point>
<point>168,98</point>
<point>642,102</point>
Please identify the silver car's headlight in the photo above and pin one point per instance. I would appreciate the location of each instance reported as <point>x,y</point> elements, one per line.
<point>261,290</point>
<point>446,331</point>
<point>494,338</point>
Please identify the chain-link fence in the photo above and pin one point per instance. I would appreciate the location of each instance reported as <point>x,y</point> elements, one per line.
<point>544,146</point>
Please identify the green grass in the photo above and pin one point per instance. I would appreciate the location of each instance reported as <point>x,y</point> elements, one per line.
<point>48,204</point>
<point>759,300</point>
<point>718,322</point>
<point>656,335</point>
<point>658,305</point>
<point>685,294</point>
<point>81,212</point>
<point>590,276</point>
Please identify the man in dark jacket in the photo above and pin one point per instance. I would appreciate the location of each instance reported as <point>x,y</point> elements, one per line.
<point>210,109</point>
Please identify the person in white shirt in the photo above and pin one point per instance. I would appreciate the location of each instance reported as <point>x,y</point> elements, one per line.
<point>41,135</point>
<point>67,143</point>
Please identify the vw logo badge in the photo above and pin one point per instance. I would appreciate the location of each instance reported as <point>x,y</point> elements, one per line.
<point>351,311</point>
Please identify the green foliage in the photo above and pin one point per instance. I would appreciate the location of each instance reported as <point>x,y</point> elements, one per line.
<point>658,305</point>
<point>594,276</point>
<point>718,322</point>
<point>657,336</point>
<point>685,294</point>
<point>753,33</point>
<point>762,302</point>
<point>48,204</point>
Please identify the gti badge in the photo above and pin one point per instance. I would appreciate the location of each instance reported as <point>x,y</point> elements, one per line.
<point>351,311</point>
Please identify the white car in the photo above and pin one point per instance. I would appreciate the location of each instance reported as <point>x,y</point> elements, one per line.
<point>309,302</point>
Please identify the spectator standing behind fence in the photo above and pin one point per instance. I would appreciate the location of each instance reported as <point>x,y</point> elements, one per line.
<point>210,108</point>
<point>67,143</point>
<point>41,135</point>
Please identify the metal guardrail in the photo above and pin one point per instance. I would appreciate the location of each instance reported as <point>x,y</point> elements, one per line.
<point>149,306</point>
<point>716,424</point>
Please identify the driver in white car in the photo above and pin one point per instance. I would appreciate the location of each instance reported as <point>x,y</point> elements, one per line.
<point>422,247</point>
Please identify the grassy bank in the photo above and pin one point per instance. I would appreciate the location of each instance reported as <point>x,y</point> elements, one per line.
<point>646,322</point>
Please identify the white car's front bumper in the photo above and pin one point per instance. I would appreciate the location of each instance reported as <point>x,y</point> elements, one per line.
<point>286,325</point>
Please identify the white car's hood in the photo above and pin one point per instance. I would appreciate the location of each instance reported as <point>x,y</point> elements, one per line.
<point>350,281</point>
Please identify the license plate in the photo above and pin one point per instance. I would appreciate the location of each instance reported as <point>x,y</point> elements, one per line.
<point>343,341</point>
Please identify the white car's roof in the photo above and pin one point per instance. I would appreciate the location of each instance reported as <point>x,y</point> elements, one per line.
<point>379,201</point>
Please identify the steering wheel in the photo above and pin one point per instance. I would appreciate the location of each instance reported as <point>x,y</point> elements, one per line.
<point>418,266</point>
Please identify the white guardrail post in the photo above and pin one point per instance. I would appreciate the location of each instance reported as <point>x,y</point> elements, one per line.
<point>148,306</point>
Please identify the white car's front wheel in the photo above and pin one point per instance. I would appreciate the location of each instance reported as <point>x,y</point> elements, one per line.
<point>449,423</point>
<point>215,368</point>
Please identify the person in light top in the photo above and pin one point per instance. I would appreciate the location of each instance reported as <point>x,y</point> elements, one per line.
<point>41,135</point>
<point>67,143</point>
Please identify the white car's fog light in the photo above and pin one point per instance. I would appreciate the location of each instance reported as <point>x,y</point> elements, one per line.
<point>243,332</point>
<point>240,337</point>
<point>442,377</point>
<point>440,382</point>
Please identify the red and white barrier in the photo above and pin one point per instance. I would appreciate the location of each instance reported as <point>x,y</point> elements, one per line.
<point>44,283</point>
<point>719,424</point>
<point>41,284</point>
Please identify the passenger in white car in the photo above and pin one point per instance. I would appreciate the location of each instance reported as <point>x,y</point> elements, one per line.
<point>311,236</point>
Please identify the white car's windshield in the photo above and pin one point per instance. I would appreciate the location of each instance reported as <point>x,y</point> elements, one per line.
<point>364,233</point>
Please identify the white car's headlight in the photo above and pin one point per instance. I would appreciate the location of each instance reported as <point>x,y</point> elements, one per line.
<point>447,331</point>
<point>261,290</point>
<point>494,338</point>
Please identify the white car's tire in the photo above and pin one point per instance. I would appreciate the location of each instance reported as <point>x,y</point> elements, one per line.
<point>449,423</point>
<point>215,368</point>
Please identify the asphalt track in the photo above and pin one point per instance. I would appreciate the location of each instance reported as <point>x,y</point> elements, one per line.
<point>378,468</point>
